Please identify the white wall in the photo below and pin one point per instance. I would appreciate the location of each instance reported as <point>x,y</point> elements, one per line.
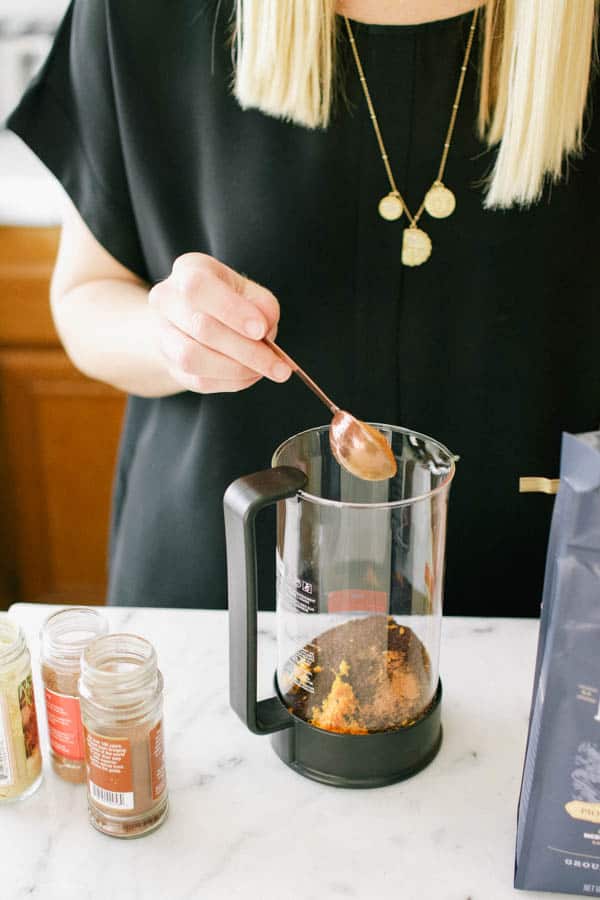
<point>29,9</point>
<point>21,52</point>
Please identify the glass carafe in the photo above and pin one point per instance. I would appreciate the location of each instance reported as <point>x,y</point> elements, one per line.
<point>360,568</point>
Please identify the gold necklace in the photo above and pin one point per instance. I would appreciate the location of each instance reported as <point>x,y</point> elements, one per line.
<point>439,201</point>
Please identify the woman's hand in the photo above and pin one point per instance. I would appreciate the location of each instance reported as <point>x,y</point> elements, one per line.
<point>211,321</point>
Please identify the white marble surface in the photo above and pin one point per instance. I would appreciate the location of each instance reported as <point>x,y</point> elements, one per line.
<point>242,824</point>
<point>29,194</point>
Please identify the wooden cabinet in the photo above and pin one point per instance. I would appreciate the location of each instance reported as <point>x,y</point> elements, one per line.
<point>58,441</point>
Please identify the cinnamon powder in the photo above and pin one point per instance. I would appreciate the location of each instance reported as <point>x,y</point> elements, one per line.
<point>127,777</point>
<point>121,691</point>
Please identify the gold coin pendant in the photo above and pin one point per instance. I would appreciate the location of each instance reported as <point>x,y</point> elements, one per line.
<point>390,207</point>
<point>416,247</point>
<point>440,201</point>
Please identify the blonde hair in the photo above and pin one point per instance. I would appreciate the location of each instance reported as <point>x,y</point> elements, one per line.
<point>534,77</point>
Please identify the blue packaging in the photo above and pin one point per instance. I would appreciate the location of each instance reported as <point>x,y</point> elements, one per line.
<point>558,826</point>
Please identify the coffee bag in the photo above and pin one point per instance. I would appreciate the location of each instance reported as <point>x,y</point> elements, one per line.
<point>558,830</point>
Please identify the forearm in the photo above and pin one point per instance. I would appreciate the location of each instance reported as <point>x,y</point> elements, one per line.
<point>107,328</point>
<point>199,329</point>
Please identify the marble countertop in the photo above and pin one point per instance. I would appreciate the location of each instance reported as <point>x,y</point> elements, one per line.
<point>29,194</point>
<point>241,824</point>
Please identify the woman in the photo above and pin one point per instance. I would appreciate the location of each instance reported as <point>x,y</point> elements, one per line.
<point>204,218</point>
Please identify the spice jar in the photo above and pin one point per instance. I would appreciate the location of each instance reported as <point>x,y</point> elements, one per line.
<point>20,757</point>
<point>121,692</point>
<point>64,636</point>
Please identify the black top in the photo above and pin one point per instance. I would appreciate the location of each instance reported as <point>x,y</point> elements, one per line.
<point>491,346</point>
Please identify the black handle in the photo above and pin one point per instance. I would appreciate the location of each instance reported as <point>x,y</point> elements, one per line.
<point>243,500</point>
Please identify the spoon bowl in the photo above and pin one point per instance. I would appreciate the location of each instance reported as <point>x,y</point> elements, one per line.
<point>361,449</point>
<point>357,447</point>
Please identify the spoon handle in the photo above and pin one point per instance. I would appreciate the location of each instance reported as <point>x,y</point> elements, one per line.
<point>303,376</point>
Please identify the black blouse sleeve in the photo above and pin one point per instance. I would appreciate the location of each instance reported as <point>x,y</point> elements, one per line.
<point>68,117</point>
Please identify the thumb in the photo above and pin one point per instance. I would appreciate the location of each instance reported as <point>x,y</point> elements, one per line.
<point>261,297</point>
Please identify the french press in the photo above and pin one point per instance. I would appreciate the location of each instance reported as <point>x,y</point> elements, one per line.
<point>360,568</point>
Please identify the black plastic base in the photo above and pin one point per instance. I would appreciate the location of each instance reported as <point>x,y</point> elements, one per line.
<point>361,760</point>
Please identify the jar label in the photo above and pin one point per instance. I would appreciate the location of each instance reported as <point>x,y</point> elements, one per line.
<point>110,775</point>
<point>64,725</point>
<point>158,773</point>
<point>31,736</point>
<point>6,768</point>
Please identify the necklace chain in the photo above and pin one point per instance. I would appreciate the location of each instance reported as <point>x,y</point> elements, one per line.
<point>373,116</point>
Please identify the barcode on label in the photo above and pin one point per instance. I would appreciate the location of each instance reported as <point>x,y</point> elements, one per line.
<point>5,769</point>
<point>4,764</point>
<point>114,799</point>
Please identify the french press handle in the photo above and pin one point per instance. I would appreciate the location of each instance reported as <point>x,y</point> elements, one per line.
<point>242,502</point>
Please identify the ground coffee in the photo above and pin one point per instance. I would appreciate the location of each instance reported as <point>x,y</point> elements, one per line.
<point>367,675</point>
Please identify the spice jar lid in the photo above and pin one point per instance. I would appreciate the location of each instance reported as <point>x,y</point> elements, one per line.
<point>12,640</point>
<point>66,633</point>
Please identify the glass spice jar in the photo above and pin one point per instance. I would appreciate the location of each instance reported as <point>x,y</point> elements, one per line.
<point>64,635</point>
<point>20,756</point>
<point>121,691</point>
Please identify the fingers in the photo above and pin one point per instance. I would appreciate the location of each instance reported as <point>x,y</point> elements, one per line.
<point>232,359</point>
<point>207,286</point>
<point>210,321</point>
<point>265,301</point>
<point>207,312</point>
<point>222,350</point>
<point>201,385</point>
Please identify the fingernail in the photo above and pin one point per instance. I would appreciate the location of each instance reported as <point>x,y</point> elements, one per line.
<point>254,329</point>
<point>281,372</point>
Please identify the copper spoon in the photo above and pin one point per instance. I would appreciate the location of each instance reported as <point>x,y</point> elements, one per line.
<point>358,447</point>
